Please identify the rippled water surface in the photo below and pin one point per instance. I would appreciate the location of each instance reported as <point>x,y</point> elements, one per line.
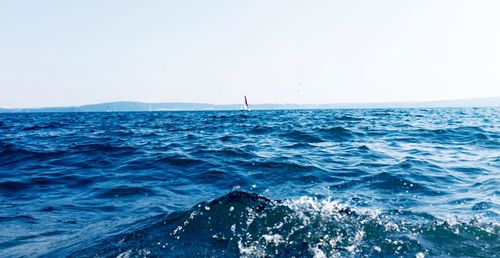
<point>395,182</point>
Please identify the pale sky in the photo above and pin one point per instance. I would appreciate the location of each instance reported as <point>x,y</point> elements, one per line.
<point>60,53</point>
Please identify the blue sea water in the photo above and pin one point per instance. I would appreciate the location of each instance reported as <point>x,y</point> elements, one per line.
<point>306,183</point>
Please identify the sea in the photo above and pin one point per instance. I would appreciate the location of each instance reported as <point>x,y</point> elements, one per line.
<point>284,183</point>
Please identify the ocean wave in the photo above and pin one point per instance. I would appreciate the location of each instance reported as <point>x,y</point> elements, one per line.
<point>301,136</point>
<point>465,134</point>
<point>336,132</point>
<point>12,153</point>
<point>122,191</point>
<point>54,125</point>
<point>13,186</point>
<point>250,225</point>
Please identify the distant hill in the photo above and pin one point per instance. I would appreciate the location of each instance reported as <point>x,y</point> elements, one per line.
<point>127,106</point>
<point>140,106</point>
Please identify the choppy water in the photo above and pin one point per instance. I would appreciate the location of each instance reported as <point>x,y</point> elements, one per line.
<point>411,183</point>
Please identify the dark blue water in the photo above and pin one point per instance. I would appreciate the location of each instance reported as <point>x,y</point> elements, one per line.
<point>411,183</point>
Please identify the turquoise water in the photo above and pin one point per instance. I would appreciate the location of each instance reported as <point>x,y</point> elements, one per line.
<point>311,183</point>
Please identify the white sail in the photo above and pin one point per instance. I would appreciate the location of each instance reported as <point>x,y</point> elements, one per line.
<point>244,106</point>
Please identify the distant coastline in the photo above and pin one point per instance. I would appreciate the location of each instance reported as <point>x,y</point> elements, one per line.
<point>125,106</point>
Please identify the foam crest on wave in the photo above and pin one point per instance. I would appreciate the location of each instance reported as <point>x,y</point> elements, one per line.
<point>241,224</point>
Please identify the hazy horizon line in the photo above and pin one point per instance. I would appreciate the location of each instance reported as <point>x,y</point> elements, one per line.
<point>275,103</point>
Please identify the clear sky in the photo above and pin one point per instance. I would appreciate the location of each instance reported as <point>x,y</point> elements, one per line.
<point>57,53</point>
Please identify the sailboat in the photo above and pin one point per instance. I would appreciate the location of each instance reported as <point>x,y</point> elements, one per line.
<point>244,106</point>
